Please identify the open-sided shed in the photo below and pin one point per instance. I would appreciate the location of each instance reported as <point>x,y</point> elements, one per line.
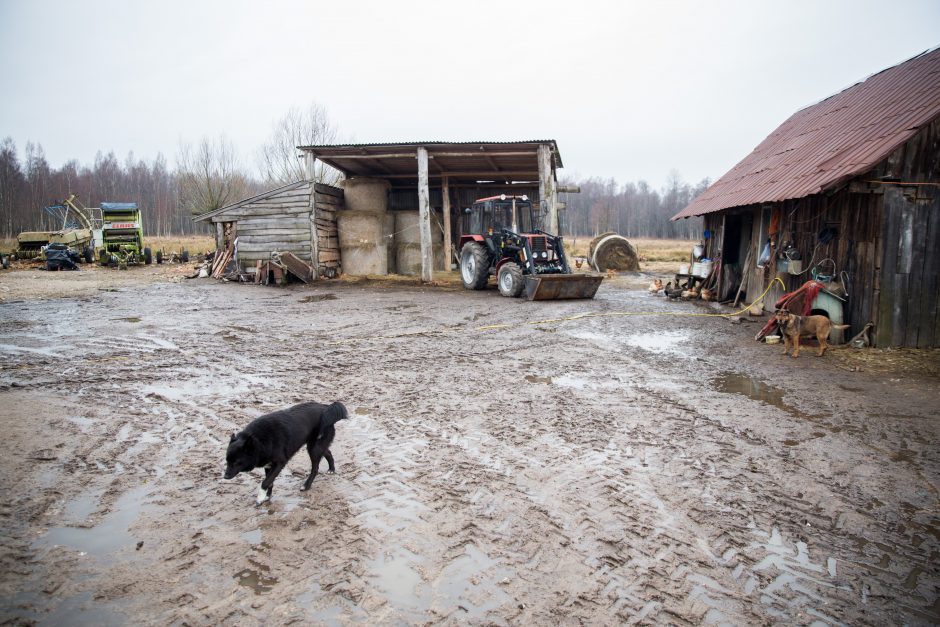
<point>446,175</point>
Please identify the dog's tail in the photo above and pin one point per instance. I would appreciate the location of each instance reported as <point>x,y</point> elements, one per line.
<point>333,414</point>
<point>841,327</point>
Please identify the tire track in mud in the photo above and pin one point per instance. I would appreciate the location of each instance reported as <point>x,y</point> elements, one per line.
<point>538,474</point>
<point>777,570</point>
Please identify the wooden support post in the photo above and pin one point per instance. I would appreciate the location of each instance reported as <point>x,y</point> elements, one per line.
<point>548,187</point>
<point>424,216</point>
<point>446,209</point>
<point>219,237</point>
<point>314,236</point>
<point>310,167</point>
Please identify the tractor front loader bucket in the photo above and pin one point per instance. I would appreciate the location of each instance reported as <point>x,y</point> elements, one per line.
<point>561,286</point>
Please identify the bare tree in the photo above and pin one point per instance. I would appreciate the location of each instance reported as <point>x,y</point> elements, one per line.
<point>12,183</point>
<point>278,158</point>
<point>209,175</point>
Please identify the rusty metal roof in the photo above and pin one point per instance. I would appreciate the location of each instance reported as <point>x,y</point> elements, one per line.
<point>458,160</point>
<point>826,144</point>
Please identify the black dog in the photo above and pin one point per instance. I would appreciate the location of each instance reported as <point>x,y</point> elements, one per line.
<point>271,440</point>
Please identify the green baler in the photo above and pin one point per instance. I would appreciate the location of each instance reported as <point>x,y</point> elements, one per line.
<point>122,235</point>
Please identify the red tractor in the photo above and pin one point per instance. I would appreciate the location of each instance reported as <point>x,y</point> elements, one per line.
<point>501,238</point>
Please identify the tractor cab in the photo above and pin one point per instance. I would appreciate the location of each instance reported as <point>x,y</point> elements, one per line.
<point>501,212</point>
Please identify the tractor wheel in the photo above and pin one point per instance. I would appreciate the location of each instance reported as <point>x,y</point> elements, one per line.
<point>510,280</point>
<point>148,256</point>
<point>89,255</point>
<point>159,257</point>
<point>474,266</point>
<point>104,258</point>
<point>5,261</point>
<point>185,256</point>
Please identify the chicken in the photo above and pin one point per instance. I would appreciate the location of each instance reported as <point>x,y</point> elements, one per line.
<point>672,293</point>
<point>656,286</point>
<point>707,294</point>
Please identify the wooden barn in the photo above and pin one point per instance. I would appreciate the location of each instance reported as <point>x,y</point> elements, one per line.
<point>846,191</point>
<point>299,218</point>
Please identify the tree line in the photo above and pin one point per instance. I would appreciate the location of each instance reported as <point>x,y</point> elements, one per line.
<point>208,175</point>
<point>631,209</point>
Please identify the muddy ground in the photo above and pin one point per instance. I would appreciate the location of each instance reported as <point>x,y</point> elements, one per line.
<point>554,469</point>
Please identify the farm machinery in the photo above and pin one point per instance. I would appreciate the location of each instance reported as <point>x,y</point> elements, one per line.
<point>122,235</point>
<point>76,234</point>
<point>501,238</point>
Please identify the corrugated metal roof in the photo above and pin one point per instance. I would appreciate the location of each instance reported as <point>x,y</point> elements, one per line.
<point>516,160</point>
<point>822,146</point>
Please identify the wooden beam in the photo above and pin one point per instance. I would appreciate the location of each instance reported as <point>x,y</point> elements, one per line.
<point>310,165</point>
<point>411,155</point>
<point>314,238</point>
<point>487,175</point>
<point>424,216</point>
<point>445,193</point>
<point>547,185</point>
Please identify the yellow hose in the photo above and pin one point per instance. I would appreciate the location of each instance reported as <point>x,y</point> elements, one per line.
<point>635,313</point>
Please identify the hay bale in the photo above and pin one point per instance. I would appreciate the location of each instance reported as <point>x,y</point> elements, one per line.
<point>610,251</point>
<point>365,194</point>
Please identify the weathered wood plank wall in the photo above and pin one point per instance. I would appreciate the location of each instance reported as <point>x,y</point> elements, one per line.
<point>327,201</point>
<point>301,220</point>
<point>910,259</point>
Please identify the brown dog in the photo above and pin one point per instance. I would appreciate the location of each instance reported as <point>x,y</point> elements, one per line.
<point>792,327</point>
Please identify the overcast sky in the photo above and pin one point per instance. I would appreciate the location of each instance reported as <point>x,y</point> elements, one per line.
<point>630,90</point>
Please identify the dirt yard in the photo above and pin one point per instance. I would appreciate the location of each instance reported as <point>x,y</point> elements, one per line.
<point>505,462</point>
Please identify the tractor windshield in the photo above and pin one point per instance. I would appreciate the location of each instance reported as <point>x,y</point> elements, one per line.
<point>500,216</point>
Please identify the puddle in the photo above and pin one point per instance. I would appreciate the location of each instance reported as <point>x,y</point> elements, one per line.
<point>731,383</point>
<point>252,537</point>
<point>257,578</point>
<point>531,378</point>
<point>578,383</point>
<point>316,298</point>
<point>105,538</point>
<point>663,342</point>
<point>82,506</point>
<point>394,574</point>
<point>133,319</point>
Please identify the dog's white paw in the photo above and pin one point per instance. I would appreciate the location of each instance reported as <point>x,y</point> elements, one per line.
<point>331,472</point>
<point>262,496</point>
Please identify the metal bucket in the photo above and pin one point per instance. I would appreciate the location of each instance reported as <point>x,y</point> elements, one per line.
<point>561,286</point>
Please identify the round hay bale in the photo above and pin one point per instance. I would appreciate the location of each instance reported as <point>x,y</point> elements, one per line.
<point>366,194</point>
<point>362,242</point>
<point>610,251</point>
<point>408,242</point>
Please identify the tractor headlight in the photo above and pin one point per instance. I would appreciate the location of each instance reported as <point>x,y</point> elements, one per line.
<point>544,255</point>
